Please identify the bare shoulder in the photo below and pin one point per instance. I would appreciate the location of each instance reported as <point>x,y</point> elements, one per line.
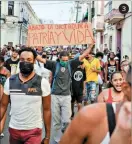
<point>94,112</point>
<point>105,91</point>
<point>83,124</point>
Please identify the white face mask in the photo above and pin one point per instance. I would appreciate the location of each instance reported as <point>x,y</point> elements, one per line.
<point>126,68</point>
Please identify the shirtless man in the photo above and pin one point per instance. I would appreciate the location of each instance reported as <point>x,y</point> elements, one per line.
<point>91,123</point>
<point>113,94</point>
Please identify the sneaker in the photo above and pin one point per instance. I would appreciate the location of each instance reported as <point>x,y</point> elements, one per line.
<point>1,135</point>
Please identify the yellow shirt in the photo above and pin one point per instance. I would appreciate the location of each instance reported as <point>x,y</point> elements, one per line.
<point>90,75</point>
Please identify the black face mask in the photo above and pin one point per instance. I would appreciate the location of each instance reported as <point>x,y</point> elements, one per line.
<point>26,68</point>
<point>44,56</point>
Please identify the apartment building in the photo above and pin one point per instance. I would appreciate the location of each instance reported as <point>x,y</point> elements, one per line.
<point>117,33</point>
<point>15,18</point>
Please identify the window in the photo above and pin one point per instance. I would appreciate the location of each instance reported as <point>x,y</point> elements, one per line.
<point>105,38</point>
<point>10,7</point>
<point>110,43</point>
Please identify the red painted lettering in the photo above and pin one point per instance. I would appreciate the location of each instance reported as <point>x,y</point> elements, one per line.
<point>80,37</point>
<point>50,26</point>
<point>87,35</point>
<point>58,37</point>
<point>51,38</point>
<point>69,40</point>
<point>86,25</point>
<point>35,39</point>
<point>44,36</point>
<point>80,26</point>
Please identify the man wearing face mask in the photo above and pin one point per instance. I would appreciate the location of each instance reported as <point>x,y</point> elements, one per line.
<point>29,95</point>
<point>61,91</point>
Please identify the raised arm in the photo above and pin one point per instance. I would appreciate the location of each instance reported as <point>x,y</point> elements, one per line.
<point>40,59</point>
<point>86,52</point>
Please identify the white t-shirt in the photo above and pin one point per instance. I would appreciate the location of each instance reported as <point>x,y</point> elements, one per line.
<point>26,109</point>
<point>105,58</point>
<point>41,71</point>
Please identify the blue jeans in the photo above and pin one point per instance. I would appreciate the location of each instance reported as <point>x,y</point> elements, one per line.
<point>91,91</point>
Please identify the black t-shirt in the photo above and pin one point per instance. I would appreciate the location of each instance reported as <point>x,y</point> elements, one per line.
<point>11,65</point>
<point>78,75</point>
<point>111,69</point>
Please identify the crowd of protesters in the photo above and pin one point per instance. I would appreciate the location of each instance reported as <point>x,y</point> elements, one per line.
<point>42,90</point>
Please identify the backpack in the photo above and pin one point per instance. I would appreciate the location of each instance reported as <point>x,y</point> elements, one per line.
<point>56,72</point>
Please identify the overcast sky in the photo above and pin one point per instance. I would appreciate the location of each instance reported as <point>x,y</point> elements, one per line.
<point>58,11</point>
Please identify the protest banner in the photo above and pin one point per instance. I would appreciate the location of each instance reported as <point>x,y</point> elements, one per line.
<point>60,34</point>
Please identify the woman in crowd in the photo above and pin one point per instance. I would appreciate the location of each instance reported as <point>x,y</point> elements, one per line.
<point>113,94</point>
<point>122,132</point>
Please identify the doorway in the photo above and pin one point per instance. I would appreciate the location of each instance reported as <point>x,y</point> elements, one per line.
<point>119,39</point>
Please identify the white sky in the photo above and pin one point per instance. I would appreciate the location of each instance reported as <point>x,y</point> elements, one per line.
<point>58,11</point>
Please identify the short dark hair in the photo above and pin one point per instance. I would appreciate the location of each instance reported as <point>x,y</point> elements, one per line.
<point>112,53</point>
<point>15,50</point>
<point>99,54</point>
<point>111,77</point>
<point>28,49</point>
<point>63,53</point>
<point>2,58</point>
<point>116,72</point>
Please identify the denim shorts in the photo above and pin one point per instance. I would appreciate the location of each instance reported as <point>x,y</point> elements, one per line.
<point>91,91</point>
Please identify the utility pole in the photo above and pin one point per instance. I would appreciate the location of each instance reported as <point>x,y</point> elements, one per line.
<point>77,11</point>
<point>20,33</point>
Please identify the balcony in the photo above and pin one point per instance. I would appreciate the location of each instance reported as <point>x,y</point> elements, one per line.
<point>98,23</point>
<point>11,18</point>
<point>113,16</point>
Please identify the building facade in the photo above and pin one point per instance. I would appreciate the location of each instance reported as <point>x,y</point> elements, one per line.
<point>15,18</point>
<point>118,28</point>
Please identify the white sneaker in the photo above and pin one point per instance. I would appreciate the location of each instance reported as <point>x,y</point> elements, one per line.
<point>1,135</point>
